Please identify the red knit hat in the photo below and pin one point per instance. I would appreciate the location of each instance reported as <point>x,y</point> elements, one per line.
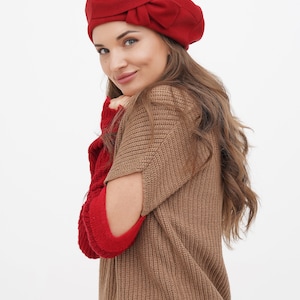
<point>181,20</point>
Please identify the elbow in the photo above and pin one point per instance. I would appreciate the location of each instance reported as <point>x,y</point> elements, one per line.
<point>99,235</point>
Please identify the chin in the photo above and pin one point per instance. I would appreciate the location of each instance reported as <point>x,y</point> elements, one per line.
<point>129,92</point>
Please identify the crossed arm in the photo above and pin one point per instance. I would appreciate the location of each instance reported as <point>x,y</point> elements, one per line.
<point>110,218</point>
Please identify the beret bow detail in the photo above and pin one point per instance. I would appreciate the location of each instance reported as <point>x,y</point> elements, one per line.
<point>163,13</point>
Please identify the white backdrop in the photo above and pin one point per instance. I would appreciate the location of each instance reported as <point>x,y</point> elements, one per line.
<point>50,101</point>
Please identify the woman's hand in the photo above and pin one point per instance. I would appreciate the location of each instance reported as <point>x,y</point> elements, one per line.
<point>121,100</point>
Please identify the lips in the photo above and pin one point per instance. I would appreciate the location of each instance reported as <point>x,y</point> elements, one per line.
<point>126,77</point>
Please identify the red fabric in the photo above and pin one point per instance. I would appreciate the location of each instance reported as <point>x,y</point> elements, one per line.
<point>99,167</point>
<point>108,114</point>
<point>181,20</point>
<point>83,240</point>
<point>98,233</point>
<point>94,236</point>
<point>97,146</point>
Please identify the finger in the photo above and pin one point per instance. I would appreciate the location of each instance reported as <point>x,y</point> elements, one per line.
<point>116,102</point>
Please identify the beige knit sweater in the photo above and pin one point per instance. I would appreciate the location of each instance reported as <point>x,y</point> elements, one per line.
<point>178,252</point>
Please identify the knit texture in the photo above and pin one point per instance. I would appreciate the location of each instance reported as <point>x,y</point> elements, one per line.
<point>178,251</point>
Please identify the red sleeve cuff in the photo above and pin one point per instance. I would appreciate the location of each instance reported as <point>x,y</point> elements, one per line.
<point>100,238</point>
<point>83,241</point>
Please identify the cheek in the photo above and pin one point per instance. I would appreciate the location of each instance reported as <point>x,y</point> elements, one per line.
<point>104,66</point>
<point>158,64</point>
<point>144,55</point>
<point>142,58</point>
<point>156,57</point>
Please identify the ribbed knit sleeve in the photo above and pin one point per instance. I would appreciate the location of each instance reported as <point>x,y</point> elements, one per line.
<point>162,154</point>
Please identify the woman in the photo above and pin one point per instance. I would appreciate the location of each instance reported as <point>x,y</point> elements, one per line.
<point>168,173</point>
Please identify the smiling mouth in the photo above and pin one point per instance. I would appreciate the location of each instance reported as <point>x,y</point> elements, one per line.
<point>125,78</point>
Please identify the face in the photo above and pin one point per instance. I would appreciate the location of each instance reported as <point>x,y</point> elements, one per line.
<point>131,56</point>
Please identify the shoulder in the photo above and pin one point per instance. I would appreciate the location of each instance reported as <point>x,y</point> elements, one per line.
<point>165,91</point>
<point>170,95</point>
<point>159,105</point>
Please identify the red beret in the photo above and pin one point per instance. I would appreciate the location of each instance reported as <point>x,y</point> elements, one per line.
<point>181,20</point>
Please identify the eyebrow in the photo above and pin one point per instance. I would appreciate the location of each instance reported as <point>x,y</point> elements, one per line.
<point>125,33</point>
<point>119,36</point>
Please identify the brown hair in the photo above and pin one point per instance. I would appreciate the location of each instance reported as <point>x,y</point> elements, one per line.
<point>240,203</point>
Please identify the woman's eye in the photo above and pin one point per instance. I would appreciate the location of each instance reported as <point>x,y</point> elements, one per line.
<point>102,51</point>
<point>130,42</point>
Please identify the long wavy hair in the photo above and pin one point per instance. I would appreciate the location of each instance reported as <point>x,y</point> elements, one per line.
<point>240,203</point>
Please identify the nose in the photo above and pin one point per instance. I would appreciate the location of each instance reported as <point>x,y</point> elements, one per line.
<point>117,60</point>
